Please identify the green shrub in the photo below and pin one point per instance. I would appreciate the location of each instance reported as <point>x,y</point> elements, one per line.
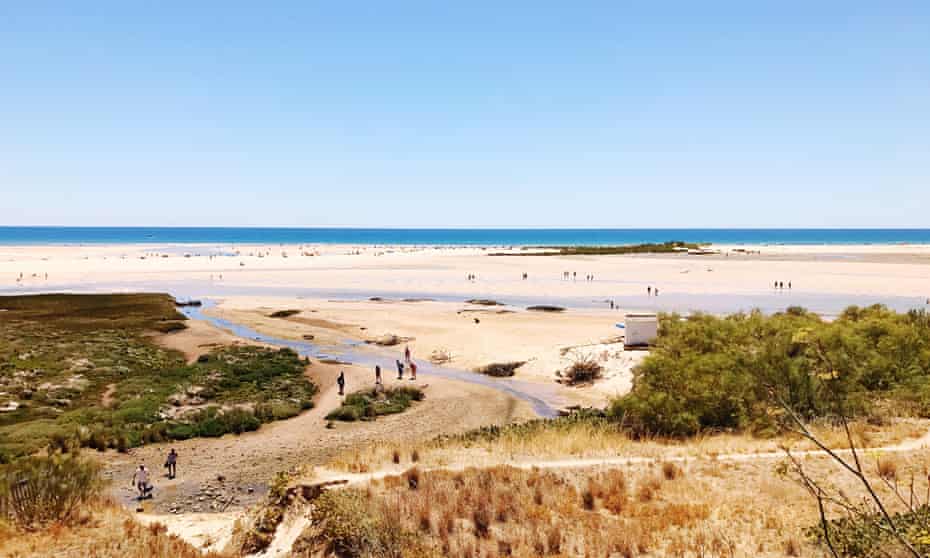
<point>36,491</point>
<point>710,373</point>
<point>211,428</point>
<point>181,432</point>
<point>238,421</point>
<point>346,413</point>
<point>370,404</point>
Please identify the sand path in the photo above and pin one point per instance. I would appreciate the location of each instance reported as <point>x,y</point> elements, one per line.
<point>296,520</point>
<point>249,461</point>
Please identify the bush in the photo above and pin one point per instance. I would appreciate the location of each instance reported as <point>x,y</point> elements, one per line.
<point>501,369</point>
<point>710,373</point>
<point>349,525</point>
<point>369,404</point>
<point>583,372</point>
<point>181,432</point>
<point>238,421</point>
<point>36,491</point>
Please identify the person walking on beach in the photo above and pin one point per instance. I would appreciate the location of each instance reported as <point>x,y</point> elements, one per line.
<point>377,375</point>
<point>407,354</point>
<point>341,381</point>
<point>649,290</point>
<point>140,479</point>
<point>413,371</point>
<point>172,463</point>
<point>656,291</point>
<point>400,370</point>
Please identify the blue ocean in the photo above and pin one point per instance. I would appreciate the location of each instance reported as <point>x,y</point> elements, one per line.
<point>473,237</point>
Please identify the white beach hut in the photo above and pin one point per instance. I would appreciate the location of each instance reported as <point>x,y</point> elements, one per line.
<point>640,330</point>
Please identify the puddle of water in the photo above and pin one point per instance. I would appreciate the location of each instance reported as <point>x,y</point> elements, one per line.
<point>543,401</point>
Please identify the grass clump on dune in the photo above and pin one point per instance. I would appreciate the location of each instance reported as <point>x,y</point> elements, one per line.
<point>371,403</point>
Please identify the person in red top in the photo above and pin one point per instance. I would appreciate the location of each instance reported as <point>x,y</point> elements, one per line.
<point>413,370</point>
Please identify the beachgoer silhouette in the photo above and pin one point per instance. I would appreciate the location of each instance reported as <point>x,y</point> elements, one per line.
<point>172,463</point>
<point>407,353</point>
<point>400,370</point>
<point>140,479</point>
<point>657,291</point>
<point>789,284</point>
<point>377,374</point>
<point>341,381</point>
<point>413,371</point>
<point>649,290</point>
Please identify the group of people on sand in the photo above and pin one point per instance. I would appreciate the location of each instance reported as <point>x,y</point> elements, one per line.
<point>22,277</point>
<point>573,276</point>
<point>781,284</point>
<point>472,277</point>
<point>652,291</point>
<point>407,364</point>
<point>140,477</point>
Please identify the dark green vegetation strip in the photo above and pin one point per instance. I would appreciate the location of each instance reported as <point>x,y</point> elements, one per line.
<point>83,369</point>
<point>648,248</point>
<point>284,313</point>
<point>369,404</point>
<point>734,373</point>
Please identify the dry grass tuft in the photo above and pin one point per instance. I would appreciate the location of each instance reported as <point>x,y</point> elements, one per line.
<point>105,531</point>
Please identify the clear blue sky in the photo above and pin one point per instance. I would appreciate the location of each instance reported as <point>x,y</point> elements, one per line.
<point>472,113</point>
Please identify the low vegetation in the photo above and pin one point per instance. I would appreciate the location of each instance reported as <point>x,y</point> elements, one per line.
<point>503,511</point>
<point>83,370</point>
<point>284,313</point>
<point>583,370</point>
<point>672,246</point>
<point>483,302</point>
<point>371,403</point>
<point>53,506</point>
<point>545,308</point>
<point>500,369</point>
<point>737,372</point>
<point>38,491</point>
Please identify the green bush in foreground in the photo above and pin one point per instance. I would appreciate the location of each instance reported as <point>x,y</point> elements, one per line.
<point>369,404</point>
<point>707,373</point>
<point>36,491</point>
